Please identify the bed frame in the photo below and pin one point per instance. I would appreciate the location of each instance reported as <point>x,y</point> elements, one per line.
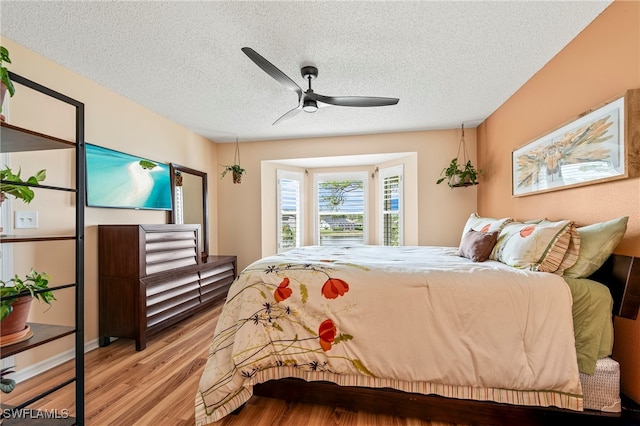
<point>620,273</point>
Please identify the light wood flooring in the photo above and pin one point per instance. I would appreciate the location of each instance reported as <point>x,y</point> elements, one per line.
<point>157,386</point>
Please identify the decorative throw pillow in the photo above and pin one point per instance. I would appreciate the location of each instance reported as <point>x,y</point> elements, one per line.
<point>571,256</point>
<point>597,243</point>
<point>477,245</point>
<point>538,247</point>
<point>484,224</point>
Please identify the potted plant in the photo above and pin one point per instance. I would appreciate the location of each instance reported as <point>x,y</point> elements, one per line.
<point>459,176</point>
<point>451,173</point>
<point>18,191</point>
<point>5,81</point>
<point>6,384</point>
<point>236,170</point>
<point>15,299</point>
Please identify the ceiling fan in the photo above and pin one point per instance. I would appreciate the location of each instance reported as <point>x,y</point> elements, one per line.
<point>308,100</point>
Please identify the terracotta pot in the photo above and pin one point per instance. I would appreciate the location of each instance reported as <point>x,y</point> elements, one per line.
<point>17,320</point>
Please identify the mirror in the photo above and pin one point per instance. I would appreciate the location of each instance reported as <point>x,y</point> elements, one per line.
<point>190,202</point>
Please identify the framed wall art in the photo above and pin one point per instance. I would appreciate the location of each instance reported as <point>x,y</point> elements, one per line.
<point>599,146</point>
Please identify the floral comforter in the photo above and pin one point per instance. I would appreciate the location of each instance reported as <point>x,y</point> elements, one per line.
<point>419,319</point>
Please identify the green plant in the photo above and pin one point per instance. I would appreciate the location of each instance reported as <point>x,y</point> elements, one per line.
<point>449,172</point>
<point>19,191</point>
<point>4,72</point>
<point>6,384</point>
<point>33,283</point>
<point>236,170</point>
<point>465,175</point>
<point>469,174</point>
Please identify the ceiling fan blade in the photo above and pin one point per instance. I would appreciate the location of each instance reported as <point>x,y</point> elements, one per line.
<point>271,69</point>
<point>354,101</point>
<point>288,115</point>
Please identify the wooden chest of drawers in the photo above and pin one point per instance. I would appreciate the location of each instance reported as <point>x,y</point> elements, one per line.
<point>152,276</point>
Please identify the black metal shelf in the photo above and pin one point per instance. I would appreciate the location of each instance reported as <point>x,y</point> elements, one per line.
<point>18,139</point>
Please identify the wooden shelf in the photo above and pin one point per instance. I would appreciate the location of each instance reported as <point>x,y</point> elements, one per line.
<point>5,239</point>
<point>16,139</point>
<point>42,333</point>
<point>33,185</point>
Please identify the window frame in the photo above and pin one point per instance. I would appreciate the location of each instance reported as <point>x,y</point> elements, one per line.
<point>299,177</point>
<point>382,175</point>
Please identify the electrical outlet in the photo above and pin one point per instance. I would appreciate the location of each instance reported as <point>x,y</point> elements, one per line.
<point>26,220</point>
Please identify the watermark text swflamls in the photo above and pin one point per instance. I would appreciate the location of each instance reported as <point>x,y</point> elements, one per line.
<point>29,413</point>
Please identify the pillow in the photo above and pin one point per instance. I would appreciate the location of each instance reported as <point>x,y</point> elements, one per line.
<point>597,243</point>
<point>571,257</point>
<point>484,224</point>
<point>537,247</point>
<point>477,245</point>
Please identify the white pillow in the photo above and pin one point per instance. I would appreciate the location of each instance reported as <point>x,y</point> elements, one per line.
<point>484,224</point>
<point>537,247</point>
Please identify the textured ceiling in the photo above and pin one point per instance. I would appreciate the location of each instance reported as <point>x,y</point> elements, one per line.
<point>448,62</point>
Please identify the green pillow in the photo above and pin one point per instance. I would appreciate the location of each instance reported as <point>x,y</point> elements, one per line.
<point>597,242</point>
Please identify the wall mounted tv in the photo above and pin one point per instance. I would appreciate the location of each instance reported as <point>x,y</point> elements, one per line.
<point>119,180</point>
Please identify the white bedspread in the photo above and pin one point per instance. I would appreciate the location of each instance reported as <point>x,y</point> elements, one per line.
<point>420,319</point>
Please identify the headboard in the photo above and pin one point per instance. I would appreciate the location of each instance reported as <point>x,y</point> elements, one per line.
<point>622,275</point>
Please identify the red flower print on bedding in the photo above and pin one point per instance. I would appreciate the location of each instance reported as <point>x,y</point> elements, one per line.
<point>283,291</point>
<point>334,287</point>
<point>525,232</point>
<point>327,334</point>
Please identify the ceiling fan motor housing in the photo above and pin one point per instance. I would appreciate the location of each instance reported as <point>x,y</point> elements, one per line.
<point>309,72</point>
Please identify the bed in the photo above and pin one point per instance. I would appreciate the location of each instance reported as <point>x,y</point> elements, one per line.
<point>330,324</point>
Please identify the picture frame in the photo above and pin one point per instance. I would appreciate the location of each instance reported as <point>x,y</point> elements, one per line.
<point>600,145</point>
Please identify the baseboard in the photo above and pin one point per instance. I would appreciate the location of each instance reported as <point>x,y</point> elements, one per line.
<point>25,373</point>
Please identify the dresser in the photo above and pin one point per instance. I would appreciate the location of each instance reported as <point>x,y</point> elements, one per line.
<point>152,276</point>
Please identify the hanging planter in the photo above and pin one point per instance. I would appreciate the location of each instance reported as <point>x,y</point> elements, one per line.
<point>460,174</point>
<point>235,168</point>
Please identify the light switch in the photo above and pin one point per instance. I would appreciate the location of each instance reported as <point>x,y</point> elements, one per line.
<point>26,219</point>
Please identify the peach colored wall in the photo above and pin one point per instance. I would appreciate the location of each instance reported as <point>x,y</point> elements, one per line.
<point>441,212</point>
<point>599,64</point>
<point>111,121</point>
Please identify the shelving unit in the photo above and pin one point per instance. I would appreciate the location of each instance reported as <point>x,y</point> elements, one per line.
<point>16,139</point>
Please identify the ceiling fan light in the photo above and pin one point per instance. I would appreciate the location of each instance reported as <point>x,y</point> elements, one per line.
<point>309,105</point>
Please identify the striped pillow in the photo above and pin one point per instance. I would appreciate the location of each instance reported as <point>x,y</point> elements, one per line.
<point>571,257</point>
<point>537,247</point>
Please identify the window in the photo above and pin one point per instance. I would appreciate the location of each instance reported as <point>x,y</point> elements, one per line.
<point>340,200</point>
<point>289,210</point>
<point>391,203</point>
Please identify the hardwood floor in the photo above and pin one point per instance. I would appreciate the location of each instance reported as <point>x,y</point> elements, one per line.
<point>157,386</point>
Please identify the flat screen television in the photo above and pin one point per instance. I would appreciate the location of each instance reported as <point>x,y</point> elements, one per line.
<point>119,180</point>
